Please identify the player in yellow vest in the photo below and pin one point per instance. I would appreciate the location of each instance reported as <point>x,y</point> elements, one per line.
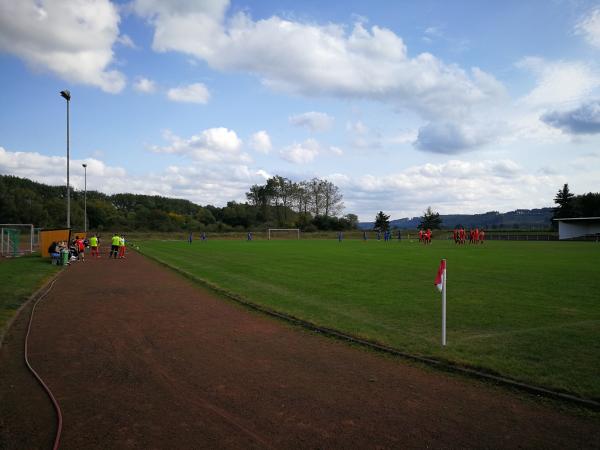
<point>94,246</point>
<point>115,242</point>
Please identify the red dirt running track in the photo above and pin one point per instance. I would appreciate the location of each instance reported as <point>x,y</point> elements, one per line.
<point>139,357</point>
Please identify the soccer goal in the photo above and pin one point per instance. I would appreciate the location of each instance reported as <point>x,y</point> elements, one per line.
<point>16,239</point>
<point>283,233</point>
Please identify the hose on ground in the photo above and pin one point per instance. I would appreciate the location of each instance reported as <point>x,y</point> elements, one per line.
<point>36,375</point>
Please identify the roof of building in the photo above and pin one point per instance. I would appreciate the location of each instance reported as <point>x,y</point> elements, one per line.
<point>577,218</point>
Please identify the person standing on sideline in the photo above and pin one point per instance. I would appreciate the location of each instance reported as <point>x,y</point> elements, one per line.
<point>340,236</point>
<point>122,247</point>
<point>249,237</point>
<point>190,238</point>
<point>115,241</point>
<point>94,246</point>
<point>364,235</point>
<point>80,247</point>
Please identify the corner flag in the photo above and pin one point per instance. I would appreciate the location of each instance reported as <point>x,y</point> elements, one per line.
<point>440,283</point>
<point>441,274</point>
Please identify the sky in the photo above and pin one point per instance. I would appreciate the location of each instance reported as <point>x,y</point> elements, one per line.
<point>464,106</point>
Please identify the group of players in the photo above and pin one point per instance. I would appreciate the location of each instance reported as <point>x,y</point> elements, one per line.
<point>425,236</point>
<point>78,246</point>
<point>476,236</point>
<point>117,246</point>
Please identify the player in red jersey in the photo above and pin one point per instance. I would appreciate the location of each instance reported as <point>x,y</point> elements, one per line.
<point>80,246</point>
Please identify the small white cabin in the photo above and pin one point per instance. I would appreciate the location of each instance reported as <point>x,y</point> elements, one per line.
<point>575,227</point>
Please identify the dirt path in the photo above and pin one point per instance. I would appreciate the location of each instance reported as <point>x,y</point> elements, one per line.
<point>139,357</point>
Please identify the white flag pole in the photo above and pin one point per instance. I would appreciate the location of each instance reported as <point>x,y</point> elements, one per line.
<point>444,305</point>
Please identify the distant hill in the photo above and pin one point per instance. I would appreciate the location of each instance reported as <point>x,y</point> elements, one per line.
<point>520,218</point>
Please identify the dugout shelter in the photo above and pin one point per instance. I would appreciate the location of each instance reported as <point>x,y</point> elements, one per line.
<point>578,227</point>
<point>49,236</point>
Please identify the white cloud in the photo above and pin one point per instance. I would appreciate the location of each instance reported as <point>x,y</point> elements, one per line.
<point>589,27</point>
<point>455,186</point>
<point>303,153</point>
<point>144,85</point>
<point>406,137</point>
<point>53,169</point>
<point>126,41</point>
<point>263,174</point>
<point>336,151</point>
<point>203,183</point>
<point>362,137</point>
<point>73,40</point>
<point>433,31</point>
<point>357,127</point>
<point>211,145</point>
<point>193,93</point>
<point>314,121</point>
<point>313,59</point>
<point>261,142</point>
<point>558,82</point>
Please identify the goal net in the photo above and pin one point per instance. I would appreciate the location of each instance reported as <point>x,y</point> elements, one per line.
<point>284,233</point>
<point>17,239</point>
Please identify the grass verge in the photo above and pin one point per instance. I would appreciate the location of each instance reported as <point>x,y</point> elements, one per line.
<point>19,278</point>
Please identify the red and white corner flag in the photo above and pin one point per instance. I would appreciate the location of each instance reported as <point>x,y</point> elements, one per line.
<point>440,283</point>
<point>441,274</point>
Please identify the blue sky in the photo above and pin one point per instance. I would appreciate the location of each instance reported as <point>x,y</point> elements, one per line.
<point>464,106</point>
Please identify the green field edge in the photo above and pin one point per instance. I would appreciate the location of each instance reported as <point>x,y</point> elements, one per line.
<point>471,371</point>
<point>44,282</point>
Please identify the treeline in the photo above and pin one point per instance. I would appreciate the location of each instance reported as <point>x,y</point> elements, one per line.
<point>275,205</point>
<point>308,205</point>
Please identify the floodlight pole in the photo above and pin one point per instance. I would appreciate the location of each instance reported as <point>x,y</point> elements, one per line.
<point>67,96</point>
<point>84,198</point>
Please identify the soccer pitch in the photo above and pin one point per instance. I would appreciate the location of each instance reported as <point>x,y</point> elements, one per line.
<point>527,310</point>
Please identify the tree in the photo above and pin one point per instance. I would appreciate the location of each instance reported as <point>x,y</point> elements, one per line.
<point>351,220</point>
<point>302,197</point>
<point>587,205</point>
<point>332,199</point>
<point>382,221</point>
<point>283,191</point>
<point>430,220</point>
<point>564,200</point>
<point>315,187</point>
<point>260,197</point>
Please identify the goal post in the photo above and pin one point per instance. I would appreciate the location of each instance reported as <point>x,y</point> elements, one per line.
<point>296,231</point>
<point>16,239</point>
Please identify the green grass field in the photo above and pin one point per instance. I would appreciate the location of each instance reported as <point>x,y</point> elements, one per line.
<point>526,310</point>
<point>19,278</point>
